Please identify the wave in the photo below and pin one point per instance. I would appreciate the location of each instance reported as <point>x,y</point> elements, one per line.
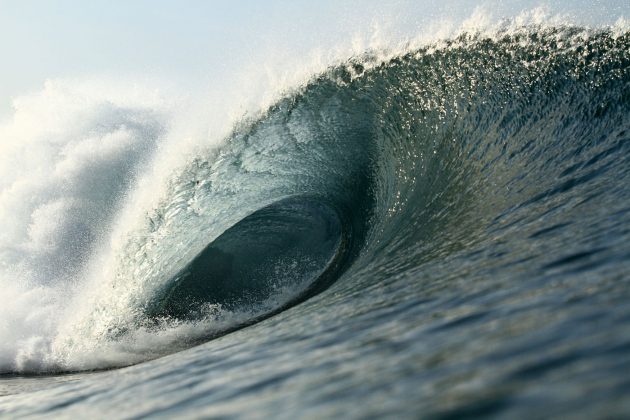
<point>387,163</point>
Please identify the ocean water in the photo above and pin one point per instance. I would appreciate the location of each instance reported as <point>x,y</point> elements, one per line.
<point>436,230</point>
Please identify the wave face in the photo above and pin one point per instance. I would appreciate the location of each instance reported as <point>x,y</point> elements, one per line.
<point>454,217</point>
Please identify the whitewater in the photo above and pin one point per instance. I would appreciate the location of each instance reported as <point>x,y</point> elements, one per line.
<point>428,225</point>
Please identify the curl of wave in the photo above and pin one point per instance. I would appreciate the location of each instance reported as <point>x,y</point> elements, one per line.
<point>370,172</point>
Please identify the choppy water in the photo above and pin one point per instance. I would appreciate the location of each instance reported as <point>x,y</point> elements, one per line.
<point>445,232</point>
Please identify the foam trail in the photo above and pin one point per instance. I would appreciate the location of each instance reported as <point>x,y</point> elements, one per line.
<point>68,158</point>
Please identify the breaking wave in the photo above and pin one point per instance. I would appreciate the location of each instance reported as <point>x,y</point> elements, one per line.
<point>120,242</point>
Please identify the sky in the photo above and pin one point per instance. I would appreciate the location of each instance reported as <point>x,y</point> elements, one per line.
<point>188,42</point>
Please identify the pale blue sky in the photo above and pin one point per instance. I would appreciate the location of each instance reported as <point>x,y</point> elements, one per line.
<point>184,41</point>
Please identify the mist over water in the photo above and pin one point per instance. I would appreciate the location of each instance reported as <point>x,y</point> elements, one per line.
<point>429,219</point>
